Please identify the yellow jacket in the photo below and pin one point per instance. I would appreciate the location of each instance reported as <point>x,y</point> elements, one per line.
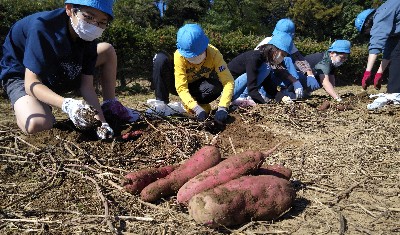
<point>186,73</point>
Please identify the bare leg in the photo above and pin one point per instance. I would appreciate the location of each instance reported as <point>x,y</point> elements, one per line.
<point>107,62</point>
<point>382,67</point>
<point>32,115</point>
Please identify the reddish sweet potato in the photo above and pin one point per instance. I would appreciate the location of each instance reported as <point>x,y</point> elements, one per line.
<point>262,197</point>
<point>203,159</point>
<point>277,170</point>
<point>231,168</point>
<point>135,182</point>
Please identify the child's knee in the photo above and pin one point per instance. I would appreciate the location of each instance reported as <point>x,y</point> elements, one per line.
<point>34,125</point>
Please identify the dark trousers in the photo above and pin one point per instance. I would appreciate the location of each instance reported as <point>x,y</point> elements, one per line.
<point>394,70</point>
<point>204,90</point>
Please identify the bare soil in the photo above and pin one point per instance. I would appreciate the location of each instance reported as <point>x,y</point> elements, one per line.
<point>345,163</point>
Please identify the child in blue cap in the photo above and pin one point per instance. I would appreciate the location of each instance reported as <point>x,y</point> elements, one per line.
<point>48,54</point>
<point>324,65</point>
<point>383,25</point>
<point>251,68</point>
<point>285,75</point>
<point>200,74</point>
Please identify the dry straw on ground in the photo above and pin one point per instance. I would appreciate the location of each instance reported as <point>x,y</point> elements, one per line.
<point>345,169</point>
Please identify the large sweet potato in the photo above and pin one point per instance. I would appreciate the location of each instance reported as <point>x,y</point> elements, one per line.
<point>203,159</point>
<point>135,182</point>
<point>277,170</point>
<point>231,168</point>
<point>262,197</point>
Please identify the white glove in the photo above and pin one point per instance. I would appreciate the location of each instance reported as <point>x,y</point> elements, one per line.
<point>80,113</point>
<point>298,89</point>
<point>104,131</point>
<point>338,99</point>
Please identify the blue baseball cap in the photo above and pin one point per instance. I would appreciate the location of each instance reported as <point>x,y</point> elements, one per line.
<point>191,40</point>
<point>342,46</point>
<point>284,25</point>
<point>282,41</point>
<point>102,5</point>
<point>359,22</point>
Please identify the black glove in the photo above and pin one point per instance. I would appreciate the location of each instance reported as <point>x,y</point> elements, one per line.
<point>221,115</point>
<point>200,113</point>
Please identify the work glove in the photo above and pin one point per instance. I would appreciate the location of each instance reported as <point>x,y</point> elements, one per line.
<point>104,131</point>
<point>366,79</point>
<point>200,113</point>
<point>221,115</point>
<point>312,83</point>
<point>298,89</point>
<point>80,113</point>
<point>378,81</point>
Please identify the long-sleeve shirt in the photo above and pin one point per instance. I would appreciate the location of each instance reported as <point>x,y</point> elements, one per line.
<point>385,28</point>
<point>248,62</point>
<point>186,73</point>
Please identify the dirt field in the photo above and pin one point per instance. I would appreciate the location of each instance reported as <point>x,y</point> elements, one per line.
<point>345,170</point>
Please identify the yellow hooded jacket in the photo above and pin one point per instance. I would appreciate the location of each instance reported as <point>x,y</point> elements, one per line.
<point>186,73</point>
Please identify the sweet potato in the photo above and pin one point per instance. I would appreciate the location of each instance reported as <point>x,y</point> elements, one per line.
<point>203,159</point>
<point>231,168</point>
<point>262,197</point>
<point>277,170</point>
<point>135,182</point>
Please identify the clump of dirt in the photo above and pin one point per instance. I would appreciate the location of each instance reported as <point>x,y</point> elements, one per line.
<point>344,163</point>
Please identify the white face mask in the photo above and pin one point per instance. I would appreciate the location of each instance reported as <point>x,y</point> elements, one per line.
<point>87,31</point>
<point>336,62</point>
<point>197,59</point>
<point>278,59</point>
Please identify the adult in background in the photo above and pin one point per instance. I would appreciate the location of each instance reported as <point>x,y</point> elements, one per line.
<point>200,75</point>
<point>50,53</point>
<point>383,25</point>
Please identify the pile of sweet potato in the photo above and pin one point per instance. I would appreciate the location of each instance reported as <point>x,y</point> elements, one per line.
<point>219,192</point>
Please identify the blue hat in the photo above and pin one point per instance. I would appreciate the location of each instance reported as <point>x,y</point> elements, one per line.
<point>102,5</point>
<point>359,22</point>
<point>282,41</point>
<point>340,46</point>
<point>284,25</point>
<point>191,40</point>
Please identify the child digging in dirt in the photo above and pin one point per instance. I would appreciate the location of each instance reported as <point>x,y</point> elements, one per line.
<point>200,75</point>
<point>49,53</point>
<point>324,65</point>
<point>252,67</point>
<point>284,75</point>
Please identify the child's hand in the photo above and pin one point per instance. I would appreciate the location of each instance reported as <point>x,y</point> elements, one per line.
<point>80,113</point>
<point>298,89</point>
<point>104,131</point>
<point>312,83</point>
<point>200,113</point>
<point>221,115</point>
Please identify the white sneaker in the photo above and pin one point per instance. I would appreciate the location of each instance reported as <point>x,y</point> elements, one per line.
<point>279,96</point>
<point>244,102</point>
<point>157,107</point>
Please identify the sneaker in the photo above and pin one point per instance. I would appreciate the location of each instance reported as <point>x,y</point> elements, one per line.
<point>160,108</point>
<point>285,93</point>
<point>244,102</point>
<point>114,110</point>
